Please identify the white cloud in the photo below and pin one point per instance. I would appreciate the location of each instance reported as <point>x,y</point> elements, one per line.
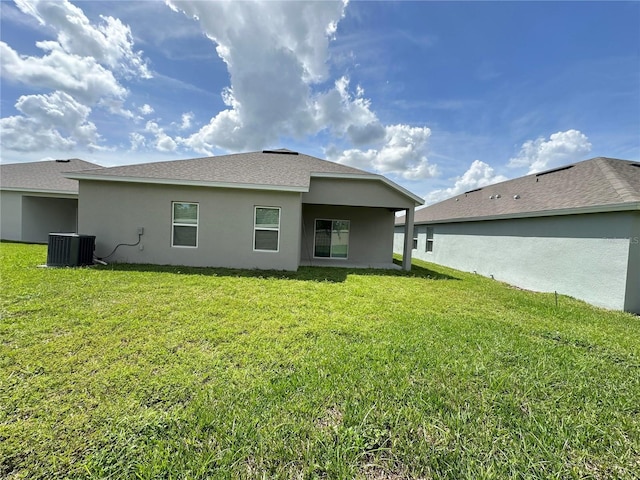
<point>109,43</point>
<point>49,121</point>
<point>275,53</point>
<point>186,120</point>
<point>137,141</point>
<point>561,148</point>
<point>403,153</point>
<point>146,109</point>
<point>80,77</point>
<point>478,175</point>
<point>81,70</point>
<point>163,142</point>
<point>347,114</point>
<point>277,67</point>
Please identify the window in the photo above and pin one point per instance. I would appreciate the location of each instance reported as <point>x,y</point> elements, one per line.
<point>429,247</point>
<point>266,229</point>
<point>331,239</point>
<point>185,224</point>
<point>415,237</point>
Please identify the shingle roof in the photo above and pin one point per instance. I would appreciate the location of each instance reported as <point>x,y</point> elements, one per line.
<point>270,169</point>
<point>598,184</point>
<point>44,176</point>
<point>281,169</point>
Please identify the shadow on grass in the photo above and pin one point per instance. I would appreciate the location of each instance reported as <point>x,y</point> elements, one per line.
<point>314,274</point>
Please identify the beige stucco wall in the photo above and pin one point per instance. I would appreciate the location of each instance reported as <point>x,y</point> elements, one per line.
<point>370,234</point>
<point>44,215</point>
<point>370,193</point>
<point>584,256</point>
<point>11,216</point>
<point>113,212</point>
<point>29,217</point>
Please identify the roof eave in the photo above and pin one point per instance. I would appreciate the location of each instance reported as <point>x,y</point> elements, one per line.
<point>188,183</point>
<point>67,193</point>
<point>619,207</point>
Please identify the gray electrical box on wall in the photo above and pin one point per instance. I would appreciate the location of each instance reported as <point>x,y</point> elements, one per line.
<point>70,250</point>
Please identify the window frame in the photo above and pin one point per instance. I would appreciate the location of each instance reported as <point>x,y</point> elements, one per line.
<point>178,224</point>
<point>266,229</point>
<point>428,248</point>
<point>315,230</point>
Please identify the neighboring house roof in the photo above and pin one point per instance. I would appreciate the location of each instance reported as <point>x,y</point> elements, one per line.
<point>267,170</point>
<point>44,176</point>
<point>595,185</point>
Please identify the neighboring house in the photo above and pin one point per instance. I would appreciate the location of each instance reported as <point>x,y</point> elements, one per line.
<point>574,230</point>
<point>275,209</point>
<point>36,199</point>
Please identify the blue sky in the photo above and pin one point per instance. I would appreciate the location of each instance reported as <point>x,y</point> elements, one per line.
<point>441,97</point>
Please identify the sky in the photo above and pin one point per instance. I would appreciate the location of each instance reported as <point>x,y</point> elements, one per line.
<point>440,97</point>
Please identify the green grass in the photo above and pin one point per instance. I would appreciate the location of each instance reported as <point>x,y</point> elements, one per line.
<point>137,371</point>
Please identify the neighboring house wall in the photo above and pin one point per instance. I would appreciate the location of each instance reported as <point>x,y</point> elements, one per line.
<point>44,215</point>
<point>11,216</point>
<point>370,234</point>
<point>30,218</point>
<point>113,211</point>
<point>584,256</point>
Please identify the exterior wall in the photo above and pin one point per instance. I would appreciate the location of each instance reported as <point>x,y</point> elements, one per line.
<point>113,212</point>
<point>43,215</point>
<point>632,301</point>
<point>30,218</point>
<point>370,235</point>
<point>11,216</point>
<point>584,256</point>
<point>366,193</point>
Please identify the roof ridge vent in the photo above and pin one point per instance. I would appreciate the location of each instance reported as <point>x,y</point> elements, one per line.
<point>474,190</point>
<point>62,160</point>
<point>554,170</point>
<point>281,151</point>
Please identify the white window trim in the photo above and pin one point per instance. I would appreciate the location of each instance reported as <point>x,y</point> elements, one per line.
<point>256,228</point>
<point>174,224</point>
<point>314,239</point>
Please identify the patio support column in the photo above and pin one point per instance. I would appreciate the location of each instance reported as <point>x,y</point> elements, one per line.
<point>408,239</point>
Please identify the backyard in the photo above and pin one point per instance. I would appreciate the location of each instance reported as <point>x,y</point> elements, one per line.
<point>138,371</point>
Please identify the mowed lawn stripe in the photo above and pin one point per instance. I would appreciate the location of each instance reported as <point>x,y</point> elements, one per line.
<point>138,371</point>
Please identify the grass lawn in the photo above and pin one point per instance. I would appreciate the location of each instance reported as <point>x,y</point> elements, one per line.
<point>137,371</point>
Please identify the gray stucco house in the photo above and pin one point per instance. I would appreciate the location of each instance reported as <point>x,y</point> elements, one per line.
<point>574,230</point>
<point>274,209</point>
<point>36,199</point>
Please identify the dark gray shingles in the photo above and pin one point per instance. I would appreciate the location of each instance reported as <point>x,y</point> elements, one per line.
<point>591,183</point>
<point>43,176</point>
<point>254,168</point>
